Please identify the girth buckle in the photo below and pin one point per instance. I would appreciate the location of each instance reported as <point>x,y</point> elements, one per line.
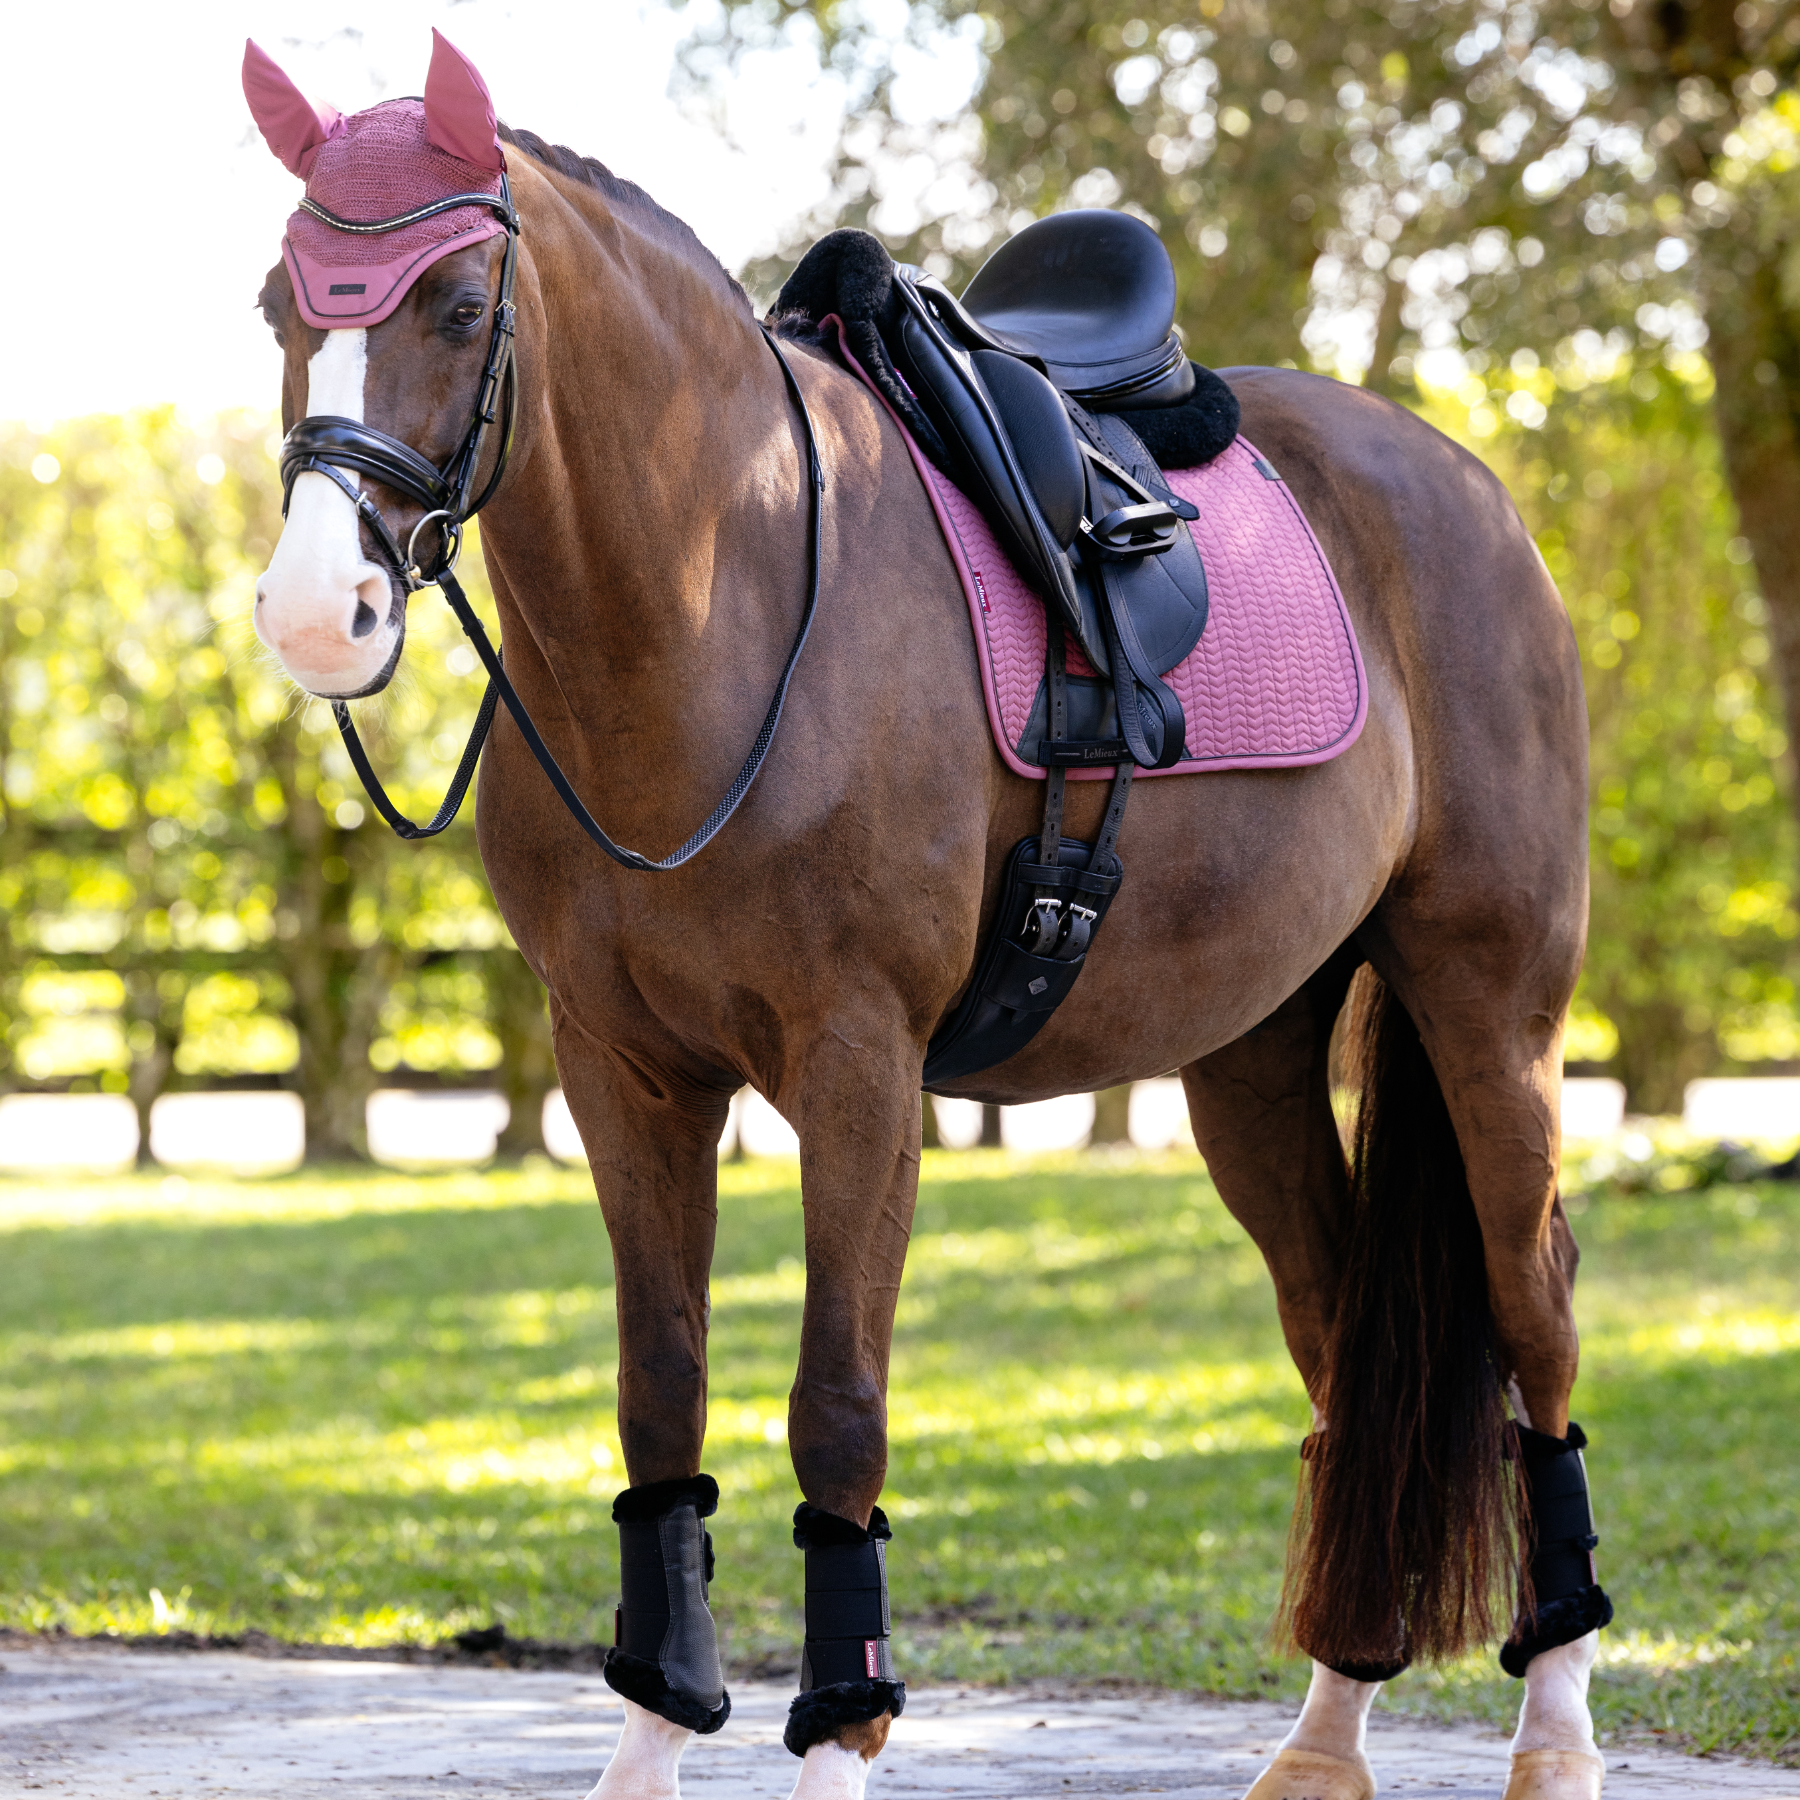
<point>1058,928</point>
<point>1043,926</point>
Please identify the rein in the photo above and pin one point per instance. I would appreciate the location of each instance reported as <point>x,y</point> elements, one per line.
<point>327,445</point>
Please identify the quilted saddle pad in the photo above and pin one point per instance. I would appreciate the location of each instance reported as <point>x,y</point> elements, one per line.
<point>1276,681</point>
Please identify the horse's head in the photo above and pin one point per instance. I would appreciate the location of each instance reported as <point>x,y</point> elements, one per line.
<point>398,343</point>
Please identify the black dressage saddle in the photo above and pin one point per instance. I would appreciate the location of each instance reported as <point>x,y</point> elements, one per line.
<point>1051,393</point>
<point>1091,295</point>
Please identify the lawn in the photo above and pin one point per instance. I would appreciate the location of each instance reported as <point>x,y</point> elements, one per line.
<point>367,1407</point>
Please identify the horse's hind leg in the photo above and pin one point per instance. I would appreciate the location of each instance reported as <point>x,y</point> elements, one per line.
<point>1489,1003</point>
<point>1353,1270</point>
<point>1261,1109</point>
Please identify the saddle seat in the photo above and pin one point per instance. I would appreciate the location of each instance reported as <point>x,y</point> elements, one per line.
<point>1090,294</point>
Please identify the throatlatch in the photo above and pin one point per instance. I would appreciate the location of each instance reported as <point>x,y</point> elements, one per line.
<point>847,1666</point>
<point>1569,1601</point>
<point>665,1653</point>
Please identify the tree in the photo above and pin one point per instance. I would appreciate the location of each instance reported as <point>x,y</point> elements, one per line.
<point>1539,216</point>
<point>1112,1116</point>
<point>1388,189</point>
<point>1690,963</point>
<point>188,872</point>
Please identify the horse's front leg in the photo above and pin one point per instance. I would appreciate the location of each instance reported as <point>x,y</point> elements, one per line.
<point>652,1142</point>
<point>856,1107</point>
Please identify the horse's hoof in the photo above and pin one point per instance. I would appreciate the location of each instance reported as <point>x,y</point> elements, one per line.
<point>1555,1775</point>
<point>1309,1775</point>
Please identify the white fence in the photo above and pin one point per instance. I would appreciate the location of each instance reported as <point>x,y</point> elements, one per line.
<point>263,1131</point>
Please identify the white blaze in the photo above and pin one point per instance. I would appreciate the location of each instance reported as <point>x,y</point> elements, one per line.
<point>315,601</point>
<point>335,376</point>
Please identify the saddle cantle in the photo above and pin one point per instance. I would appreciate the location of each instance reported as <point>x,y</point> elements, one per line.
<point>1091,294</point>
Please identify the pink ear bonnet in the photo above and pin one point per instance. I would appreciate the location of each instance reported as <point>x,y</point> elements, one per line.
<point>379,165</point>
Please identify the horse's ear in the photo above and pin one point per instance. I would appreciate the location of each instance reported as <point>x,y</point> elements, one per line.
<point>459,111</point>
<point>292,125</point>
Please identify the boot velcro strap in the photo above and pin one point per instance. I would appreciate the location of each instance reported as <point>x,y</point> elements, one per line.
<point>847,1620</point>
<point>846,1590</point>
<point>643,1616</point>
<point>1562,1516</point>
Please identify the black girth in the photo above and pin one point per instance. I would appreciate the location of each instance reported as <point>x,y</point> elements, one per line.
<point>326,445</point>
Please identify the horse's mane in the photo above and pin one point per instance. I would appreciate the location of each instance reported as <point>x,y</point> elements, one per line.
<point>590,172</point>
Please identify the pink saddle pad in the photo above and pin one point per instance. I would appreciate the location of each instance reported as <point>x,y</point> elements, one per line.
<point>1276,681</point>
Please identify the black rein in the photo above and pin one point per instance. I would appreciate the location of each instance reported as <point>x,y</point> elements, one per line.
<point>326,445</point>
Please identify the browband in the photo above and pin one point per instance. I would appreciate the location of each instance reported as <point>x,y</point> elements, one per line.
<point>499,204</point>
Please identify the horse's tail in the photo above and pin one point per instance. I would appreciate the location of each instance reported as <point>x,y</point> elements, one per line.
<point>1405,1543</point>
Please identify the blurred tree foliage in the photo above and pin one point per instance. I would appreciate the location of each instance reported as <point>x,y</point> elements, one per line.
<point>193,889</point>
<point>194,892</point>
<point>1691,943</point>
<point>1569,229</point>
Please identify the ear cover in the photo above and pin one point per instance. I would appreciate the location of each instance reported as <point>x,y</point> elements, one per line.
<point>292,126</point>
<point>459,111</point>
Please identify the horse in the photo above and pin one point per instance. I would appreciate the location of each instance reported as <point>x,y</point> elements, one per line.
<point>648,546</point>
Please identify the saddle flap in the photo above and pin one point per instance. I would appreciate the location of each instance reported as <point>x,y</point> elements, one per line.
<point>951,393</point>
<point>1163,594</point>
<point>1043,440</point>
<point>1012,444</point>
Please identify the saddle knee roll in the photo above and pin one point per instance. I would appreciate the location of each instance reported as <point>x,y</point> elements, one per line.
<point>1568,1601</point>
<point>847,1663</point>
<point>665,1653</point>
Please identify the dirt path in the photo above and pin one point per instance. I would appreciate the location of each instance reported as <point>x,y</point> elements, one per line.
<point>87,1722</point>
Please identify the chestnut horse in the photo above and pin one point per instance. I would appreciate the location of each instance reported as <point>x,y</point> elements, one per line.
<point>648,553</point>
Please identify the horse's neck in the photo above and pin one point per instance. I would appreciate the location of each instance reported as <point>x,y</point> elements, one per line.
<point>648,527</point>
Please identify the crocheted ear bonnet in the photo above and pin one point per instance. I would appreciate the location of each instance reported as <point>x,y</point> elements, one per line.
<point>378,165</point>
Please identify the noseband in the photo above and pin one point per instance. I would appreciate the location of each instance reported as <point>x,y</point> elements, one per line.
<point>327,445</point>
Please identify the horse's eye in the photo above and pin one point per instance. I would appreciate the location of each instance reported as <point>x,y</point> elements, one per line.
<point>467,315</point>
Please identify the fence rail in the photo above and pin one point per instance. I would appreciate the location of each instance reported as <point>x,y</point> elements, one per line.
<point>262,1131</point>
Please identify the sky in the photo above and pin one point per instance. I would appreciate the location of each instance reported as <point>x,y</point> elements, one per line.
<point>147,209</point>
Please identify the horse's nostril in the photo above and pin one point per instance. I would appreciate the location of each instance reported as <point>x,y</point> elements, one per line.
<point>365,620</point>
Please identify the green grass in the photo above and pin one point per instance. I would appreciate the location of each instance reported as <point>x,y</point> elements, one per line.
<point>365,1407</point>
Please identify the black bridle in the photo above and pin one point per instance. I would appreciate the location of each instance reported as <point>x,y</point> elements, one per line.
<point>327,445</point>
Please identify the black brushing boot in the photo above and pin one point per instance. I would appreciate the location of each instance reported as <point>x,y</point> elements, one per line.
<point>847,1666</point>
<point>1570,1602</point>
<point>665,1653</point>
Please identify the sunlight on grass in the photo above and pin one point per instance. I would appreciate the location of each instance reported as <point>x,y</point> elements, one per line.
<point>367,1407</point>
<point>302,1198</point>
<point>1758,1332</point>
